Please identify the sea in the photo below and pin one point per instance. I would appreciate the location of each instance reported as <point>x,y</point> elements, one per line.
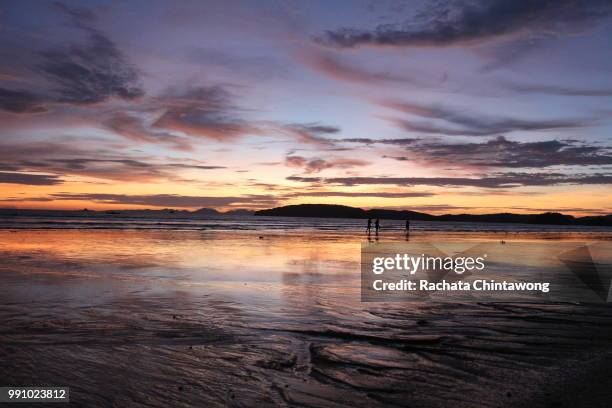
<point>266,223</point>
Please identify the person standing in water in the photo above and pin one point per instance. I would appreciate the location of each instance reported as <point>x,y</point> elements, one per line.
<point>407,229</point>
<point>369,227</point>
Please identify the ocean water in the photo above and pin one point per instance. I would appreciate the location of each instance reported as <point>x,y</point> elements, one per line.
<point>257,223</point>
<point>220,312</point>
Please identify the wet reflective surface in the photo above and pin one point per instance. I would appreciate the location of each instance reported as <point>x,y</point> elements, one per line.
<point>226,318</point>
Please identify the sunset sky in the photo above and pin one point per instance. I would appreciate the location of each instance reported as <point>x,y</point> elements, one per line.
<point>435,106</point>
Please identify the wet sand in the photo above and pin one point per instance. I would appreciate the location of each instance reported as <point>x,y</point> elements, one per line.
<point>188,318</point>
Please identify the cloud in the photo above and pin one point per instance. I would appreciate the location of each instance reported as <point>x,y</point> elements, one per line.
<point>462,124</point>
<point>460,23</point>
<point>77,16</point>
<point>169,200</point>
<point>192,166</point>
<point>337,68</point>
<point>500,180</point>
<point>203,111</point>
<point>311,133</point>
<point>557,90</point>
<point>83,73</point>
<point>378,194</point>
<point>20,101</point>
<point>509,53</point>
<point>90,73</point>
<point>29,179</point>
<point>316,165</point>
<point>501,152</point>
<point>369,141</point>
<point>255,67</point>
<point>134,128</point>
<point>62,159</point>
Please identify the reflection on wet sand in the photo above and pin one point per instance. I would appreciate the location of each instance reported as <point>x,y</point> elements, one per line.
<point>188,318</point>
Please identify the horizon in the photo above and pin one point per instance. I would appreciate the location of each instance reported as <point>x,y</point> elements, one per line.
<point>435,107</point>
<point>273,208</point>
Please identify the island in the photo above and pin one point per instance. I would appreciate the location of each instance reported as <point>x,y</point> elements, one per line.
<point>343,211</point>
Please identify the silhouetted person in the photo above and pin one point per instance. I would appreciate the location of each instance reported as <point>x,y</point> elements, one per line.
<point>377,225</point>
<point>369,227</point>
<point>407,229</point>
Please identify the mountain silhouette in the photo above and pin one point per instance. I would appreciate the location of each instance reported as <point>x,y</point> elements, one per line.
<point>343,211</point>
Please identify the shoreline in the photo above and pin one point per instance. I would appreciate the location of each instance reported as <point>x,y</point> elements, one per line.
<point>350,235</point>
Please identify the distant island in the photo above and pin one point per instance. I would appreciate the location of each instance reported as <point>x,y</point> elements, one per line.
<point>146,213</point>
<point>212,211</point>
<point>343,211</point>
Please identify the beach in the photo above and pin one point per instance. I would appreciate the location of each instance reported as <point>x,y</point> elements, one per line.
<point>306,204</point>
<point>128,317</point>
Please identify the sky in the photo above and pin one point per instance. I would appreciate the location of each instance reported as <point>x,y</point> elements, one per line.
<point>440,106</point>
